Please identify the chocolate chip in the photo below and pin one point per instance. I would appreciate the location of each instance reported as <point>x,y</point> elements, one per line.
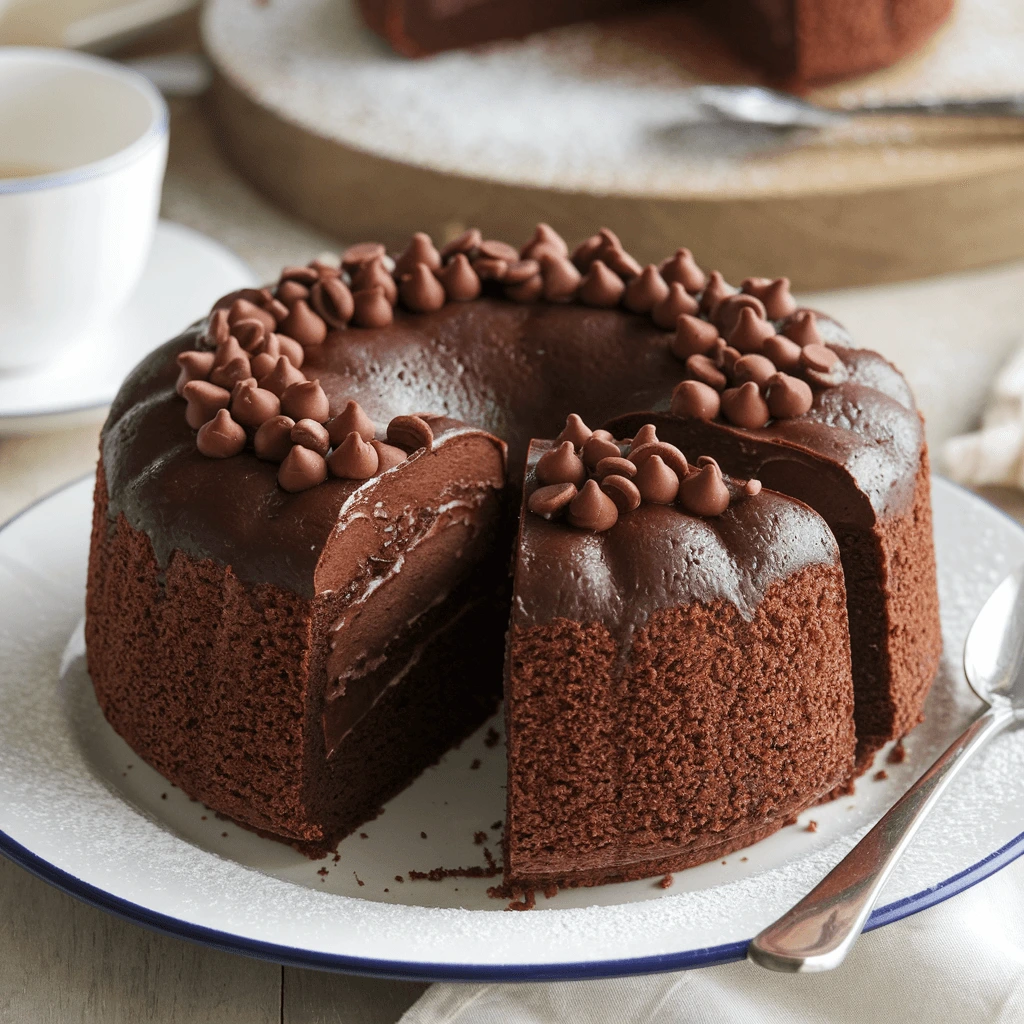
<point>668,453</point>
<point>702,368</point>
<point>802,328</point>
<point>752,488</point>
<point>645,435</point>
<point>287,347</point>
<point>820,365</point>
<point>227,351</point>
<point>304,275</point>
<point>411,433</point>
<point>575,430</point>
<point>304,325</point>
<point>646,291</point>
<point>421,291</point>
<point>459,279</point>
<point>227,375</point>
<point>490,270</point>
<point>388,456</point>
<point>693,399</point>
<point>243,309</point>
<point>729,310</point>
<point>301,470</point>
<point>597,448</point>
<point>545,240</point>
<point>725,356</point>
<point>774,293</point>
<point>612,254</point>
<point>305,400</point>
<point>278,310</point>
<point>715,291</point>
<point>495,250</point>
<point>372,308</point>
<point>788,396</point>
<point>530,290</point>
<point>592,509</point>
<point>221,437</point>
<point>468,242</point>
<point>744,406</point>
<point>693,337</point>
<point>785,354</point>
<point>421,249</point>
<point>217,330</point>
<point>193,365</point>
<point>561,278</point>
<point>290,292</point>
<point>351,418</point>
<point>753,367</point>
<point>332,301</point>
<point>656,482</point>
<point>548,501</point>
<point>601,286</point>
<point>561,465</point>
<point>355,459</point>
<point>704,493</point>
<point>311,435</point>
<point>273,440</point>
<point>362,252</point>
<point>373,274</point>
<point>522,271</point>
<point>204,400</point>
<point>605,434</point>
<point>282,377</point>
<point>250,334</point>
<point>586,252</point>
<point>676,303</point>
<point>750,331</point>
<point>623,492</point>
<point>682,269</point>
<point>252,405</point>
<point>615,465</point>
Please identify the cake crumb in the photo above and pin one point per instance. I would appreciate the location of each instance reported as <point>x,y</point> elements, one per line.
<point>163,796</point>
<point>812,826</point>
<point>386,889</point>
<point>550,891</point>
<point>336,858</point>
<point>476,764</point>
<point>493,738</point>
<point>363,835</point>
<point>223,835</point>
<point>665,882</point>
<point>479,838</point>
<point>359,881</point>
<point>743,860</point>
<point>399,878</point>
<point>423,835</point>
<point>898,754</point>
<point>724,862</point>
<point>323,872</point>
<point>528,903</point>
<point>495,825</point>
<point>202,817</point>
<point>881,775</point>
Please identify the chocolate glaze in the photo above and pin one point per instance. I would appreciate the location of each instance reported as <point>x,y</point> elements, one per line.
<point>514,370</point>
<point>659,556</point>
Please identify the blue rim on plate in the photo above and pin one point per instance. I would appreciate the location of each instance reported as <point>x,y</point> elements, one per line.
<point>291,956</point>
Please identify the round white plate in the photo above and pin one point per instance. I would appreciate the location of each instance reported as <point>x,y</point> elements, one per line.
<point>186,273</point>
<point>78,808</point>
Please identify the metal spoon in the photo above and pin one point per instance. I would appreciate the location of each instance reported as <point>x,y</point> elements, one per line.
<point>821,929</point>
<point>755,105</point>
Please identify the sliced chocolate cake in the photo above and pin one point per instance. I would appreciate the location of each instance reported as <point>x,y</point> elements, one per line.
<point>678,680</point>
<point>298,581</point>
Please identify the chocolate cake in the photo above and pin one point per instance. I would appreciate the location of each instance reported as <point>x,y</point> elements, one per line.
<point>797,42</point>
<point>678,680</point>
<point>298,581</point>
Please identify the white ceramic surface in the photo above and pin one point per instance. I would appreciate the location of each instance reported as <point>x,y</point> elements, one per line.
<point>80,809</point>
<point>186,272</point>
<point>75,235</point>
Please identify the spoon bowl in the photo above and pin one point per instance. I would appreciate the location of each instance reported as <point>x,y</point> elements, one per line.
<point>994,651</point>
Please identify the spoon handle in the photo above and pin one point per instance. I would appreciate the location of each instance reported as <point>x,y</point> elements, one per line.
<point>820,930</point>
<point>994,106</point>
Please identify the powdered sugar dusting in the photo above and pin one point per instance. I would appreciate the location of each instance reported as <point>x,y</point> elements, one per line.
<point>68,795</point>
<point>572,109</point>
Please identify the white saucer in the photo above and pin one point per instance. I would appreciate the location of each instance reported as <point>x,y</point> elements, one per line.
<point>186,273</point>
<point>79,809</point>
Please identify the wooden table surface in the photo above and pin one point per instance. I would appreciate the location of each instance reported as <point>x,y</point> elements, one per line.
<point>62,961</point>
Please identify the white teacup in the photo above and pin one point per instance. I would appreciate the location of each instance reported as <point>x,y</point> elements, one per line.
<point>83,146</point>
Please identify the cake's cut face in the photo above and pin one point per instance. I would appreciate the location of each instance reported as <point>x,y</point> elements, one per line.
<point>794,41</point>
<point>298,580</point>
<point>678,679</point>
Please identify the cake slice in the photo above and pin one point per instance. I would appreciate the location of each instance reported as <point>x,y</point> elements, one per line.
<point>678,679</point>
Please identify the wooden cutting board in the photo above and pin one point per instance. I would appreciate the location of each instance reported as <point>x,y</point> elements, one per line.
<point>587,125</point>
